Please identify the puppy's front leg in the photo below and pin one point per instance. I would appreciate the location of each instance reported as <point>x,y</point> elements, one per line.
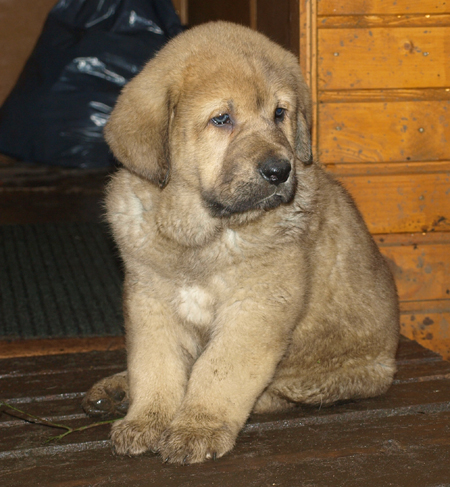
<point>157,374</point>
<point>225,382</point>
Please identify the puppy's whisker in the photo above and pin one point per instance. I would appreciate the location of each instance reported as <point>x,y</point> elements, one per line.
<point>266,198</point>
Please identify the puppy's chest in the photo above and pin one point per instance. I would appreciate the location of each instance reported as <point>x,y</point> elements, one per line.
<point>196,305</point>
<point>209,279</point>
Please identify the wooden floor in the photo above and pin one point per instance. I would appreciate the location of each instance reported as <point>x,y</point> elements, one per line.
<point>399,439</point>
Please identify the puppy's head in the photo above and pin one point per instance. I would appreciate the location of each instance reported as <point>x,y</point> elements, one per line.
<point>221,110</point>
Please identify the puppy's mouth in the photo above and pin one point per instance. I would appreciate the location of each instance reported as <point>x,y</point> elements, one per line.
<point>247,198</point>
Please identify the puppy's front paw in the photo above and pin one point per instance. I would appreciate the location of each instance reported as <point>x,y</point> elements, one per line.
<point>194,441</point>
<point>135,436</point>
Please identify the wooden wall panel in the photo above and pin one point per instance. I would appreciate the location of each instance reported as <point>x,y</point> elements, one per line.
<point>421,267</point>
<point>383,7</point>
<point>421,272</point>
<point>420,264</point>
<point>379,72</point>
<point>381,131</point>
<point>384,58</point>
<point>398,203</point>
<point>427,322</point>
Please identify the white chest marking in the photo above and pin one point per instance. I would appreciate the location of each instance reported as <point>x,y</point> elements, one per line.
<point>232,241</point>
<point>195,305</point>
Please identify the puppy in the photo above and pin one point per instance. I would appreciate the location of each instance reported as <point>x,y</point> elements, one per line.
<point>251,280</point>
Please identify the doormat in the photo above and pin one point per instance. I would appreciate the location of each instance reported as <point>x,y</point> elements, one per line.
<point>59,280</point>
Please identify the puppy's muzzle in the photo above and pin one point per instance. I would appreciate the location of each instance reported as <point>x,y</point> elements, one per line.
<point>275,171</point>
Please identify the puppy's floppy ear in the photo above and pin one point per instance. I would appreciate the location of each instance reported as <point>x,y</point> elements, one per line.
<point>304,123</point>
<point>303,140</point>
<point>138,129</point>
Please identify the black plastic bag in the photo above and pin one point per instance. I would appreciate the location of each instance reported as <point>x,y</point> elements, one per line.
<point>87,51</point>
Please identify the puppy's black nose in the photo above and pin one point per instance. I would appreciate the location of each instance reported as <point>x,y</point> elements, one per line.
<point>276,171</point>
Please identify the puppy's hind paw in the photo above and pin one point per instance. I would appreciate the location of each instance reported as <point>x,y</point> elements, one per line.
<point>108,397</point>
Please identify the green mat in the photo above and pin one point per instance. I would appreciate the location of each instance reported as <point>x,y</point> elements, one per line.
<point>59,280</point>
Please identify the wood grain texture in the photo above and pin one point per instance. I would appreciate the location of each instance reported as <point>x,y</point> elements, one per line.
<point>389,169</point>
<point>354,7</point>
<point>427,322</point>
<point>394,95</point>
<point>384,132</point>
<point>371,21</point>
<point>402,203</point>
<point>33,348</point>
<point>420,264</point>
<point>384,58</point>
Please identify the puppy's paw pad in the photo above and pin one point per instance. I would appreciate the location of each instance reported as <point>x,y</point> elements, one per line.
<point>187,444</point>
<point>107,398</point>
<point>133,437</point>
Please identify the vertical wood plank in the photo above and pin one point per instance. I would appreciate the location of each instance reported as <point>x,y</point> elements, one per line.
<point>181,7</point>
<point>254,14</point>
<point>308,59</point>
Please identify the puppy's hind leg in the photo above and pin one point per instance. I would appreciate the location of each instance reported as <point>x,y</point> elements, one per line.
<point>325,384</point>
<point>108,397</point>
<point>271,402</point>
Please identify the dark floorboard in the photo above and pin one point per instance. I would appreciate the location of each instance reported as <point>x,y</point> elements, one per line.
<point>35,193</point>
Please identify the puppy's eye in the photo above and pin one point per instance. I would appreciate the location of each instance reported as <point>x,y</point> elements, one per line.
<point>280,114</point>
<point>221,120</point>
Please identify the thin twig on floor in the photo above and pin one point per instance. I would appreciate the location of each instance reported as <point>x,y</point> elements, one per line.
<point>38,420</point>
